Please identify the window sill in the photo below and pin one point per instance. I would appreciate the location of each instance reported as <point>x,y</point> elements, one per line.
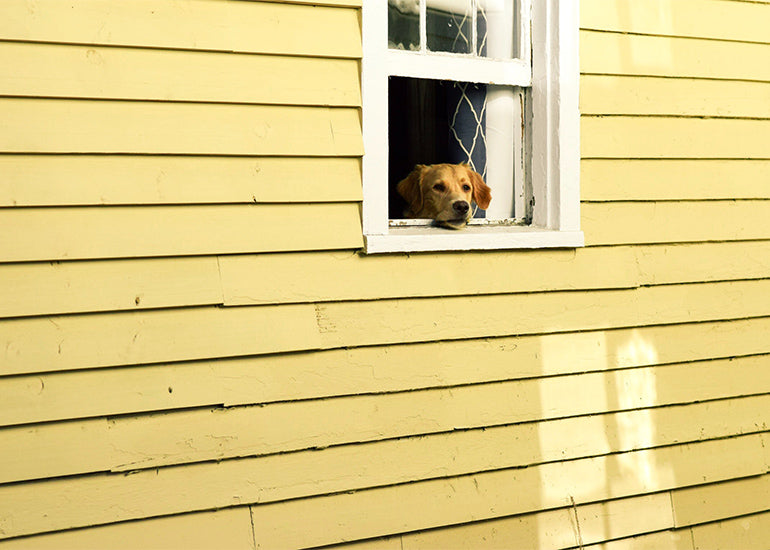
<point>429,239</point>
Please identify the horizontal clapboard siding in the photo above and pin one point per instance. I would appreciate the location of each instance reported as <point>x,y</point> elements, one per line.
<point>100,340</point>
<point>180,128</point>
<point>174,75</point>
<point>370,370</point>
<point>198,436</point>
<point>229,25</point>
<point>192,349</point>
<point>367,513</point>
<point>53,180</point>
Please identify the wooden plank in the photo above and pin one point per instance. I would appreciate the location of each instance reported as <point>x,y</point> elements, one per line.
<point>48,70</point>
<point>721,501</point>
<point>79,287</point>
<point>101,340</point>
<point>251,380</point>
<point>633,54</point>
<point>446,501</point>
<point>665,540</point>
<point>674,222</point>
<point>131,443</point>
<point>633,95</point>
<point>665,137</point>
<point>283,277</point>
<point>82,341</point>
<point>657,179</point>
<point>38,507</point>
<point>259,27</point>
<point>745,22</point>
<point>428,319</point>
<point>229,528</point>
<point>33,234</point>
<point>748,533</point>
<point>53,180</point>
<point>667,264</point>
<point>81,126</point>
<point>550,529</point>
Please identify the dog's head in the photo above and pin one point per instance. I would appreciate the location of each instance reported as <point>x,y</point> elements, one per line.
<point>444,192</point>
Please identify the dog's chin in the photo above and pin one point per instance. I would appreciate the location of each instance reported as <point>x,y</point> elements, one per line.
<point>458,223</point>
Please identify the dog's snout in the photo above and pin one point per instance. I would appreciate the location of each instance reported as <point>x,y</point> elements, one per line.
<point>461,207</point>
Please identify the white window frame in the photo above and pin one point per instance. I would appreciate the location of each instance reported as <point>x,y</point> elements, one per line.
<point>554,166</point>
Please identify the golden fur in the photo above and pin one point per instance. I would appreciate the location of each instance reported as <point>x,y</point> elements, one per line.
<point>445,193</point>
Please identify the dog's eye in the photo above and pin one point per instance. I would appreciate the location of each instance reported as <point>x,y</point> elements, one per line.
<point>440,187</point>
<point>466,187</point>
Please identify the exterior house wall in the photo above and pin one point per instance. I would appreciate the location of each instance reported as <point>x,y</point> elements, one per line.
<point>194,354</point>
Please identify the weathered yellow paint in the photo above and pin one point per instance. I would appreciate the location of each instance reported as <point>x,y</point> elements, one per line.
<point>665,540</point>
<point>72,287</point>
<point>345,276</point>
<point>633,54</point>
<point>428,319</point>
<point>741,21</point>
<point>458,500</point>
<point>244,381</point>
<point>664,137</point>
<point>561,528</point>
<point>45,506</point>
<point>177,128</point>
<point>166,439</point>
<point>51,180</point>
<point>725,500</point>
<point>55,70</point>
<point>229,529</point>
<point>632,95</point>
<point>619,180</point>
<point>608,223</point>
<point>703,262</point>
<point>258,27</point>
<point>83,341</point>
<point>747,533</point>
<point>32,234</point>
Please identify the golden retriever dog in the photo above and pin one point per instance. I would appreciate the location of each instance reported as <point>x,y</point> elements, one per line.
<point>444,193</point>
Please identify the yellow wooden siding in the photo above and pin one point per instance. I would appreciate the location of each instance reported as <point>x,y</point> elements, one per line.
<point>658,179</point>
<point>370,370</point>
<point>188,325</point>
<point>177,128</point>
<point>379,510</point>
<point>173,75</point>
<point>220,25</point>
<point>100,340</point>
<point>213,434</point>
<point>51,180</point>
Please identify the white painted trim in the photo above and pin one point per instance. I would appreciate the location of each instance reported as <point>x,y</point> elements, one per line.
<point>463,68</point>
<point>428,239</point>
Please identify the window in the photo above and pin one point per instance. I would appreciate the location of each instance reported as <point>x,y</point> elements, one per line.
<point>491,83</point>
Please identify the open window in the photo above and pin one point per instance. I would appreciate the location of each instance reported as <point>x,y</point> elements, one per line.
<point>490,83</point>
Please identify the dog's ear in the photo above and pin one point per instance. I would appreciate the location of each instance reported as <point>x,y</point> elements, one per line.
<point>482,194</point>
<point>411,189</point>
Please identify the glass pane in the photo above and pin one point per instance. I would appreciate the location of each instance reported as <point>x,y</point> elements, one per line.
<point>404,24</point>
<point>496,28</point>
<point>449,26</point>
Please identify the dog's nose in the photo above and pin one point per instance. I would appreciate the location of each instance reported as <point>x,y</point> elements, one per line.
<point>461,207</point>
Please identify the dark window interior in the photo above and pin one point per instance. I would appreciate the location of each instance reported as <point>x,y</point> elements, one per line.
<point>420,114</point>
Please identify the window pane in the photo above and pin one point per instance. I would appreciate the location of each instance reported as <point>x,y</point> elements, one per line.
<point>404,24</point>
<point>497,31</point>
<point>449,26</point>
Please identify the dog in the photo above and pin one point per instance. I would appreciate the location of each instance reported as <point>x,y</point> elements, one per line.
<point>444,193</point>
